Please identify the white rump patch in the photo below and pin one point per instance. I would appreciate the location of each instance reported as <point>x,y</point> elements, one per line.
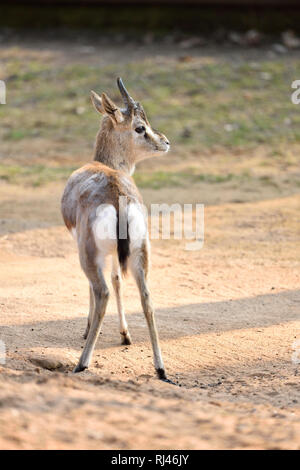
<point>105,231</point>
<point>74,233</point>
<point>137,225</point>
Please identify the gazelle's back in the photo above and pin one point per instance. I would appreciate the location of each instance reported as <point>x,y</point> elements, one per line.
<point>91,186</point>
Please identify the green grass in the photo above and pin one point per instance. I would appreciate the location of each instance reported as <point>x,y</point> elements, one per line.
<point>199,105</point>
<point>34,175</point>
<point>37,175</point>
<point>220,104</point>
<point>163,179</point>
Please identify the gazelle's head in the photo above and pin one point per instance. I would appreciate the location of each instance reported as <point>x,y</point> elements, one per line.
<point>126,131</point>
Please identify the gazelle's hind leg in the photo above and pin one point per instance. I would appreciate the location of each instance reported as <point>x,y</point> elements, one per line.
<point>91,313</point>
<point>97,241</point>
<point>139,264</point>
<point>116,280</point>
<point>101,295</point>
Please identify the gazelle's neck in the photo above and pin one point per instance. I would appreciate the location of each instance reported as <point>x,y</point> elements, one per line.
<point>114,149</point>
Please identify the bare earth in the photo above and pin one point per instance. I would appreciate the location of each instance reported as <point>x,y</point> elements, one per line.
<point>228,316</point>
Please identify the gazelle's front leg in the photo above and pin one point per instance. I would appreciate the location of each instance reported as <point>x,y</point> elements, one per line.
<point>116,280</point>
<point>91,313</point>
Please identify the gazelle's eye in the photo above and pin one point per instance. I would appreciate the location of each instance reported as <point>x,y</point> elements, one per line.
<point>140,129</point>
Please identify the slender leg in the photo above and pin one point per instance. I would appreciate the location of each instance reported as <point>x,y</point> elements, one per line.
<point>116,280</point>
<point>140,273</point>
<point>91,313</point>
<point>101,295</point>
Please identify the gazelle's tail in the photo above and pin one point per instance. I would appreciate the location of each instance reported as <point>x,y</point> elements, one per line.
<point>123,242</point>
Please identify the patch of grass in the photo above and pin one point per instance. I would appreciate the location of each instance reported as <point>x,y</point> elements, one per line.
<point>37,175</point>
<point>157,180</point>
<point>163,179</point>
<point>197,105</point>
<point>207,104</point>
<point>34,175</point>
<point>18,134</point>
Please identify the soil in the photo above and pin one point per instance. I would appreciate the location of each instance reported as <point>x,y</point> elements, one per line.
<point>228,318</point>
<point>228,314</point>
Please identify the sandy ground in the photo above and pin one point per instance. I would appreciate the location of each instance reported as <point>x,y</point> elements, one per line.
<point>228,316</point>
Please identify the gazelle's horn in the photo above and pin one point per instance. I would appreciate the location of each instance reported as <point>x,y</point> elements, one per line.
<point>128,101</point>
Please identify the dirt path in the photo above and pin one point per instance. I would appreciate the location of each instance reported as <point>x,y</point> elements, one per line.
<point>228,316</point>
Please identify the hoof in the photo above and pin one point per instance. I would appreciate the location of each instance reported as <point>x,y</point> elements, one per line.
<point>79,368</point>
<point>168,381</point>
<point>162,376</point>
<point>85,334</point>
<point>125,339</point>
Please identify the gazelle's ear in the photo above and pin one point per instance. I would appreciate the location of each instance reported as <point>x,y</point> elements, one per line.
<point>97,102</point>
<point>111,109</point>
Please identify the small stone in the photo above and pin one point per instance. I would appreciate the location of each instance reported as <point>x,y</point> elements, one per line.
<point>185,58</point>
<point>49,364</point>
<point>287,121</point>
<point>253,37</point>
<point>235,38</point>
<point>279,48</point>
<point>266,76</point>
<point>80,110</point>
<point>186,133</point>
<point>290,40</point>
<point>87,49</point>
<point>191,42</point>
<point>230,127</point>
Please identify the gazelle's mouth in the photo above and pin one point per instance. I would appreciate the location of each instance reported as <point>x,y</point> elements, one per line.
<point>165,148</point>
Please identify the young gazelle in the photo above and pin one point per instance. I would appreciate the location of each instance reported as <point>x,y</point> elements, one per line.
<point>92,211</point>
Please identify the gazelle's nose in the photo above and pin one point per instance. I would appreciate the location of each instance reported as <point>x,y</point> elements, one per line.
<point>165,140</point>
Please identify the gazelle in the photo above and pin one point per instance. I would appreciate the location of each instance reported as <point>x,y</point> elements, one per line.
<point>90,203</point>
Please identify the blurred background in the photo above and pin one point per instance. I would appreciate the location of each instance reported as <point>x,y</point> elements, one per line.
<point>214,76</point>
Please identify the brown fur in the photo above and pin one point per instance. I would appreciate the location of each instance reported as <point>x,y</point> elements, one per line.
<point>92,185</point>
<point>125,137</point>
